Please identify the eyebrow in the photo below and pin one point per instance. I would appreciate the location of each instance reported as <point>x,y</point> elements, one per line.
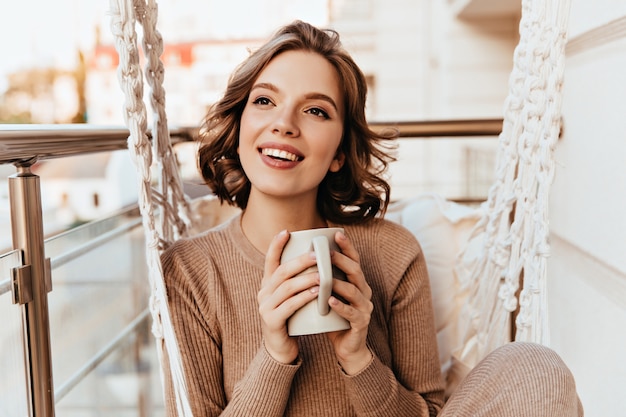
<point>310,96</point>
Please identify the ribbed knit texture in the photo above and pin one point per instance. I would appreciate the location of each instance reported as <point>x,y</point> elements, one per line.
<point>517,379</point>
<point>213,280</point>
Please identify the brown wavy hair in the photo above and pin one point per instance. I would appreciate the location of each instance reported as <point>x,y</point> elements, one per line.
<point>358,191</point>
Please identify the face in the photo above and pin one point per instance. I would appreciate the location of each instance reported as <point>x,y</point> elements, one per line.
<point>291,127</point>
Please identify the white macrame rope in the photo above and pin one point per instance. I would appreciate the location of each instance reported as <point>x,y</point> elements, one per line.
<point>125,14</point>
<point>514,228</point>
<point>174,222</point>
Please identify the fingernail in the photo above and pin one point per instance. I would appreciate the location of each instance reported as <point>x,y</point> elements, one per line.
<point>312,255</point>
<point>342,236</point>
<point>315,290</point>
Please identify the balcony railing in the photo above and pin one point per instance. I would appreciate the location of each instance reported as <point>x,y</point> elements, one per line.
<point>98,274</point>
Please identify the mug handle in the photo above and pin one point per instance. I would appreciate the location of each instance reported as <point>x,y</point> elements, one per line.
<point>325,269</point>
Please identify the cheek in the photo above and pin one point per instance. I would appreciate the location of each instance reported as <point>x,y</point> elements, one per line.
<point>246,136</point>
<point>336,140</point>
<point>250,126</point>
<point>243,127</point>
<point>247,120</point>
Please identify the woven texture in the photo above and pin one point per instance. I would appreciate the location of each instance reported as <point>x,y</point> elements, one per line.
<point>513,232</point>
<point>169,201</point>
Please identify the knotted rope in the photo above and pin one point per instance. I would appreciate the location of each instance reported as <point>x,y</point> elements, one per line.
<point>169,201</point>
<point>514,228</point>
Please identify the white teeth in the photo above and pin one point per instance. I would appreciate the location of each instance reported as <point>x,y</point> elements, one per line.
<point>277,153</point>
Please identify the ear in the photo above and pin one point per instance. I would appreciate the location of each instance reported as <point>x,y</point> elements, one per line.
<point>337,162</point>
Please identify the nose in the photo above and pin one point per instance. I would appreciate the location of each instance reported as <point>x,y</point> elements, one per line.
<point>285,123</point>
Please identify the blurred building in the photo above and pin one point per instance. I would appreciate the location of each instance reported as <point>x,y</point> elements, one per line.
<point>423,60</point>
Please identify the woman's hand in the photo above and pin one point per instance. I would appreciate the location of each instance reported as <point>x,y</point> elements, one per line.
<point>282,293</point>
<point>351,345</point>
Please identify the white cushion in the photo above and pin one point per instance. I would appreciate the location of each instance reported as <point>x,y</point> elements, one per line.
<point>442,228</point>
<point>207,212</point>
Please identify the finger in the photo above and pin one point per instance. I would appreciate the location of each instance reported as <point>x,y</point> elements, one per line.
<point>352,294</point>
<point>270,298</point>
<point>348,260</point>
<point>277,272</point>
<point>353,271</point>
<point>293,286</point>
<point>347,248</point>
<point>359,317</point>
<point>293,303</point>
<point>288,270</point>
<point>277,307</point>
<point>275,249</point>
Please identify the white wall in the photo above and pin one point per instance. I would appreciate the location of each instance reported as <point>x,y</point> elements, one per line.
<point>587,309</point>
<point>427,64</point>
<point>589,187</point>
<point>587,271</point>
<point>471,60</point>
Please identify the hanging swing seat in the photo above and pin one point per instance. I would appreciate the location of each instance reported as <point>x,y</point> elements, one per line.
<point>475,257</point>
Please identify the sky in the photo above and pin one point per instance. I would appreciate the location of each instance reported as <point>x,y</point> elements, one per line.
<point>49,32</point>
<point>46,33</point>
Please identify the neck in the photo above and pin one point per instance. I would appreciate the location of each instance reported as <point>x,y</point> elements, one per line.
<point>262,220</point>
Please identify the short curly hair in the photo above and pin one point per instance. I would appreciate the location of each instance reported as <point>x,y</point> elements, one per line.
<point>358,191</point>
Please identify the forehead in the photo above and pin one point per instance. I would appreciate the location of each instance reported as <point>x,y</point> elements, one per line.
<point>302,72</point>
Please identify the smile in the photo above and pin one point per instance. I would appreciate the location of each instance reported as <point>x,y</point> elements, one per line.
<point>281,154</point>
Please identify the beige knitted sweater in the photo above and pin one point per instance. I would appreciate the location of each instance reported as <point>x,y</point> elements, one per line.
<point>212,282</point>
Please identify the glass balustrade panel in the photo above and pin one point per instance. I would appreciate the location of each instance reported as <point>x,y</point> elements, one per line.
<point>13,372</point>
<point>95,296</point>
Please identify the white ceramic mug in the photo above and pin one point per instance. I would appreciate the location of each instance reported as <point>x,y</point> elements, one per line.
<point>316,316</point>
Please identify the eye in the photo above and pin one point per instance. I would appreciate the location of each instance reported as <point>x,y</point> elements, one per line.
<point>316,111</point>
<point>262,101</point>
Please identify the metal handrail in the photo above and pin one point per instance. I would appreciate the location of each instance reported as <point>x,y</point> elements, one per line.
<point>60,260</point>
<point>93,243</point>
<point>24,143</point>
<point>460,128</point>
<point>16,256</point>
<point>28,143</point>
<point>100,356</point>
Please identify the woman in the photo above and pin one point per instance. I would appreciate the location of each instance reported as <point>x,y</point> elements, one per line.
<point>288,143</point>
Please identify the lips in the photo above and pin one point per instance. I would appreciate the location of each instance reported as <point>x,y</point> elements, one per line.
<point>281,154</point>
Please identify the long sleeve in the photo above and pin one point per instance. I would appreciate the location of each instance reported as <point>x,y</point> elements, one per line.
<point>198,342</point>
<point>266,379</point>
<point>212,282</point>
<point>194,298</point>
<point>404,379</point>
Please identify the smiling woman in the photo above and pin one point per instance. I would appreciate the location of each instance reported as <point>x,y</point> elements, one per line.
<point>291,118</point>
<point>292,90</point>
<point>289,145</point>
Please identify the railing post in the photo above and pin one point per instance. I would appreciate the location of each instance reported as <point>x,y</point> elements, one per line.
<point>27,230</point>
